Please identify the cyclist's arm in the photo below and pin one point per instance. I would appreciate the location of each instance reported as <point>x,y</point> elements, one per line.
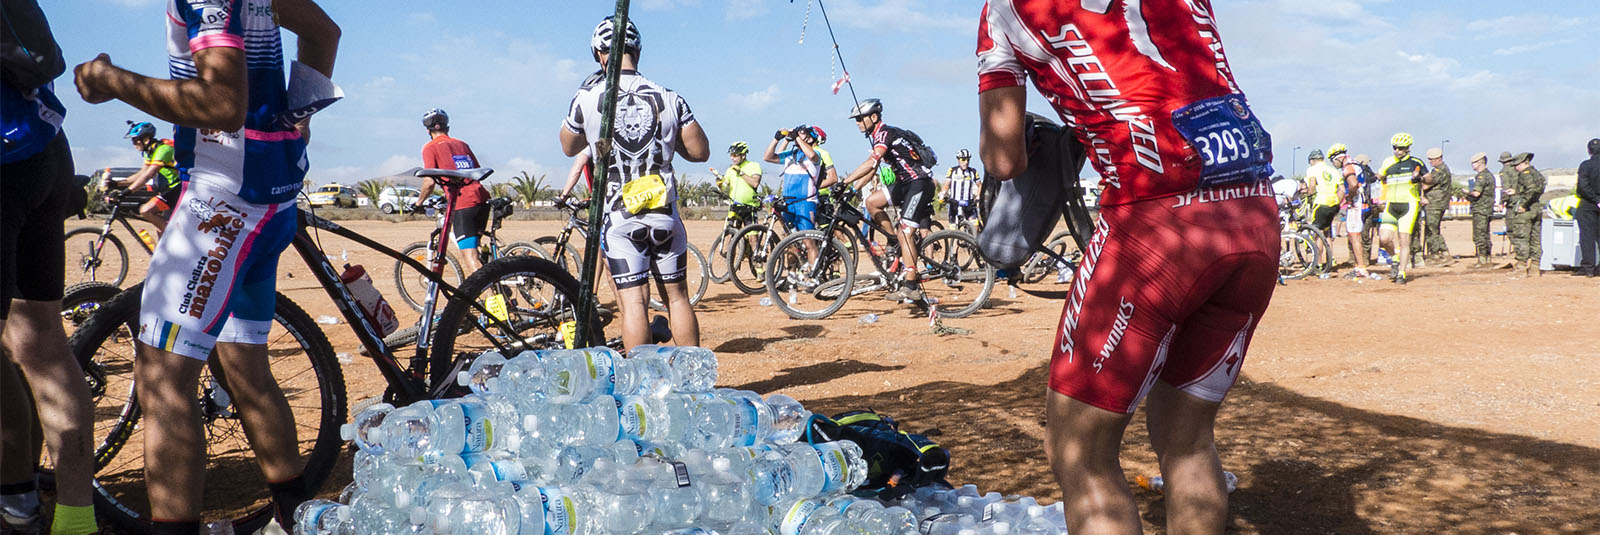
<point>830,176</point>
<point>143,176</point>
<point>771,156</point>
<point>811,153</point>
<point>1002,142</point>
<point>692,142</point>
<point>426,190</point>
<point>754,180</point>
<point>867,169</point>
<point>576,173</point>
<point>215,98</point>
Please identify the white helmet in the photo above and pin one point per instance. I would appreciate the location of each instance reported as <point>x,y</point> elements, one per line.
<point>600,41</point>
<point>435,119</point>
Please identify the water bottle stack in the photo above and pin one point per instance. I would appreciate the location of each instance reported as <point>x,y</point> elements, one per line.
<point>587,442</point>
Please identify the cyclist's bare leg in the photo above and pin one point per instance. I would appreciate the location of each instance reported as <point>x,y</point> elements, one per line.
<point>1180,428</point>
<point>875,203</point>
<point>152,212</point>
<point>17,455</point>
<point>685,325</point>
<point>37,344</point>
<point>469,259</point>
<point>909,237</point>
<point>1402,255</point>
<point>635,315</point>
<point>1357,257</point>
<point>1083,443</point>
<point>264,411</point>
<point>174,442</point>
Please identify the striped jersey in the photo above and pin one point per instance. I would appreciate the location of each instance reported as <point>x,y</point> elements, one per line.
<point>963,183</point>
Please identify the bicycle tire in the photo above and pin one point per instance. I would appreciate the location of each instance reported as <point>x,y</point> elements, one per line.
<point>119,487</point>
<point>719,252</point>
<point>84,264</point>
<point>523,248</point>
<point>413,287</point>
<point>955,273</point>
<point>792,280</point>
<point>747,263</point>
<point>696,277</point>
<point>567,258</point>
<point>1297,255</point>
<point>539,297</point>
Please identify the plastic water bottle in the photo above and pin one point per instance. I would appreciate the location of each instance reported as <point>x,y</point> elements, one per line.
<point>468,510</point>
<point>365,429</point>
<point>483,374</point>
<point>793,475</point>
<point>808,516</point>
<point>576,375</point>
<point>574,463</point>
<point>723,493</point>
<point>322,517</point>
<point>667,419</point>
<point>868,319</point>
<point>476,424</point>
<point>1038,522</point>
<point>789,418</point>
<point>694,369</point>
<point>844,469</point>
<point>733,418</point>
<point>947,523</point>
<point>766,301</point>
<point>594,422</point>
<point>1158,484</point>
<point>372,304</point>
<point>523,374</point>
<point>677,503</point>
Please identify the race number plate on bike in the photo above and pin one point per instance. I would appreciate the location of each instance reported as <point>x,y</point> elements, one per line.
<point>1230,140</point>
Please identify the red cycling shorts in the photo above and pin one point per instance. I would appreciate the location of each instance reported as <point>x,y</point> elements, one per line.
<point>1170,289</point>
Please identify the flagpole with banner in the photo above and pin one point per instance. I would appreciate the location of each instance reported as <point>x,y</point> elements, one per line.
<point>586,332</point>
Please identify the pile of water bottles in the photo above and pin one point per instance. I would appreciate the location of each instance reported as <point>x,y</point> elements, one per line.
<point>587,442</point>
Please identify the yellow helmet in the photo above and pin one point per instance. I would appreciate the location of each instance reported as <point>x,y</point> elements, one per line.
<point>1336,150</point>
<point>1400,140</point>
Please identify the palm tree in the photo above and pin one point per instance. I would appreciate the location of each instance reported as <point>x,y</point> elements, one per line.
<point>502,189</point>
<point>529,188</point>
<point>372,188</point>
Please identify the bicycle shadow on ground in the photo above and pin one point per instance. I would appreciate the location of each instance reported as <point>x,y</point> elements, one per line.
<point>812,374</point>
<point>1305,465</point>
<point>751,344</point>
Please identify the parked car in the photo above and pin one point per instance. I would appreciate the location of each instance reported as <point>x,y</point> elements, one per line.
<point>335,195</point>
<point>398,199</point>
<point>96,202</point>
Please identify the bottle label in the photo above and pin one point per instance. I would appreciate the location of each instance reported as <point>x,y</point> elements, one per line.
<point>681,472</point>
<point>313,517</point>
<point>560,517</point>
<point>927,523</point>
<point>634,416</point>
<point>479,430</point>
<point>835,468</point>
<point>797,516</point>
<point>744,422</point>
<point>988,512</point>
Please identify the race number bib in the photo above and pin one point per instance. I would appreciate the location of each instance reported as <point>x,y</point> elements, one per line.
<point>462,161</point>
<point>1233,145</point>
<point>648,192</point>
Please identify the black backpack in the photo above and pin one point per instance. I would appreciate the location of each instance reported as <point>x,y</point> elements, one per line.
<point>897,462</point>
<point>920,151</point>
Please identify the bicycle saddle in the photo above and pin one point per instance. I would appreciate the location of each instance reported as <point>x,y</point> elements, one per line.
<point>455,177</point>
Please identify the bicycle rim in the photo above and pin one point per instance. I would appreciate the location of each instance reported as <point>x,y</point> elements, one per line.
<point>749,255</point>
<point>304,368</point>
<point>808,284</point>
<point>955,278</point>
<point>717,259</point>
<point>1296,256</point>
<point>532,297</point>
<point>84,263</point>
<point>413,285</point>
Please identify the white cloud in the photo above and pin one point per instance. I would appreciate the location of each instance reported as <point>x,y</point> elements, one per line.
<point>422,18</point>
<point>758,100</point>
<point>899,15</point>
<point>397,163</point>
<point>746,9</point>
<point>87,159</point>
<point>518,164</point>
<point>1521,49</point>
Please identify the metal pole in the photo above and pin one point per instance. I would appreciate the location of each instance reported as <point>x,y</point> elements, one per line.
<point>585,335</point>
<point>1294,165</point>
<point>836,53</point>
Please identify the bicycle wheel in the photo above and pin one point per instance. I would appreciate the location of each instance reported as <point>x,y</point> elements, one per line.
<point>1041,266</point>
<point>522,248</point>
<point>717,260</point>
<point>303,366</point>
<point>1297,255</point>
<point>412,284</point>
<point>806,273</point>
<point>108,264</point>
<point>747,264</point>
<point>531,296</point>
<point>697,278</point>
<point>955,278</point>
<point>567,258</point>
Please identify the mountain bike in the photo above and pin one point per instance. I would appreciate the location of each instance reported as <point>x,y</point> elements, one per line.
<point>413,287</point>
<point>752,246</point>
<point>812,273</point>
<point>88,259</point>
<point>511,304</point>
<point>559,249</point>
<point>718,258</point>
<point>1300,245</point>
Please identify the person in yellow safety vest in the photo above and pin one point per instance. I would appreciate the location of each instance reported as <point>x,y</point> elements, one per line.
<point>1327,187</point>
<point>1564,207</point>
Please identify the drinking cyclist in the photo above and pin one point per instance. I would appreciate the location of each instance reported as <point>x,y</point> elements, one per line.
<point>160,174</point>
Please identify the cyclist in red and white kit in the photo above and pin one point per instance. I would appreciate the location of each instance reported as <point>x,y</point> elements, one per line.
<point>1183,259</point>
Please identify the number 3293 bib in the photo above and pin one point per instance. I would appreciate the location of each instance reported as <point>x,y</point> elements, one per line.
<point>1231,141</point>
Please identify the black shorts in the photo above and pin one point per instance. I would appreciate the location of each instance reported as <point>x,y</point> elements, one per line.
<point>469,222</point>
<point>1322,217</point>
<point>33,199</point>
<point>915,199</point>
<point>166,198</point>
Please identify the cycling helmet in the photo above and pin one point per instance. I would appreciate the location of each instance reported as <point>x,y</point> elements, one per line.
<point>1594,146</point>
<point>964,155</point>
<point>436,118</point>
<point>1336,150</point>
<point>600,41</point>
<point>140,130</point>
<point>819,135</point>
<point>739,147</point>
<point>1401,140</point>
<point>866,107</point>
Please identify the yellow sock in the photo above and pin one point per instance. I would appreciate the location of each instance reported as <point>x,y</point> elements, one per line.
<point>74,520</point>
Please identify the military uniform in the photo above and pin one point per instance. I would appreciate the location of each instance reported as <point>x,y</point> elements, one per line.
<point>1482,212</point>
<point>1438,189</point>
<point>1525,212</point>
<point>1508,180</point>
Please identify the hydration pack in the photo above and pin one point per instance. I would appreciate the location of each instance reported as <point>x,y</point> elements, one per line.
<point>897,462</point>
<point>920,151</point>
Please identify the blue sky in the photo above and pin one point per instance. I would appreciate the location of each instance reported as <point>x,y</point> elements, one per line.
<point>1488,76</point>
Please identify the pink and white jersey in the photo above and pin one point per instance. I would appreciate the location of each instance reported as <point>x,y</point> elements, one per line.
<point>1144,84</point>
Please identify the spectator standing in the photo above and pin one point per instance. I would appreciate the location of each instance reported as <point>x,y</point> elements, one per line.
<point>1506,180</point>
<point>1437,189</point>
<point>1524,209</point>
<point>1479,194</point>
<point>1588,215</point>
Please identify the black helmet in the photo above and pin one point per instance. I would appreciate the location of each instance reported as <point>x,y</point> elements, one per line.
<point>1316,154</point>
<point>866,107</point>
<point>600,41</point>
<point>739,147</point>
<point>435,119</point>
<point>964,155</point>
<point>1594,147</point>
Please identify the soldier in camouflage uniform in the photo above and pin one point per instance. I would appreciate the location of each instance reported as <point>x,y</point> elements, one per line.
<point>1508,179</point>
<point>1524,209</point>
<point>1480,192</point>
<point>1437,189</point>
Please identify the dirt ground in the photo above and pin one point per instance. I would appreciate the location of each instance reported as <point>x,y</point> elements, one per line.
<point>1464,402</point>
